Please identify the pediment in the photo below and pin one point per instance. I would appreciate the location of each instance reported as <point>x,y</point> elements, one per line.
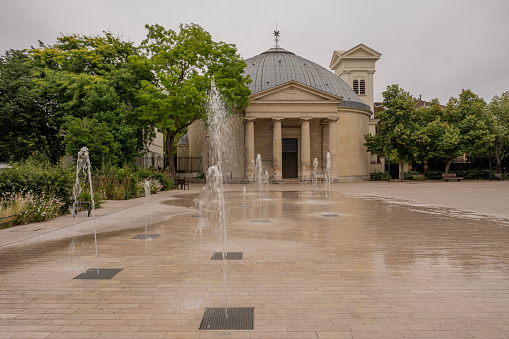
<point>295,92</point>
<point>360,51</point>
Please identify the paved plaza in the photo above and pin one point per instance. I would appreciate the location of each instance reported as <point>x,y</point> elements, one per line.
<point>388,260</point>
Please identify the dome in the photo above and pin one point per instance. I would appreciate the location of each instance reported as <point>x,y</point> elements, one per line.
<point>277,66</point>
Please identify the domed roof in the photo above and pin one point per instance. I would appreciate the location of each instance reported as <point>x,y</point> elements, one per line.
<point>277,66</point>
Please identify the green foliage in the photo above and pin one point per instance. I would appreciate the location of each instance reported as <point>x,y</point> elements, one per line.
<point>40,179</point>
<point>95,136</point>
<point>379,176</point>
<point>116,183</point>
<point>434,175</point>
<point>499,109</point>
<point>80,77</point>
<point>410,175</point>
<point>185,63</point>
<point>395,131</point>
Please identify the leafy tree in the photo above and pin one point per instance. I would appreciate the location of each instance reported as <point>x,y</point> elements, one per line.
<point>98,78</point>
<point>94,135</point>
<point>396,128</point>
<point>469,115</point>
<point>185,63</point>
<point>499,109</point>
<point>30,119</point>
<point>434,138</point>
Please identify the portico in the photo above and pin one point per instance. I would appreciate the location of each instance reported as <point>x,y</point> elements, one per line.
<point>300,122</point>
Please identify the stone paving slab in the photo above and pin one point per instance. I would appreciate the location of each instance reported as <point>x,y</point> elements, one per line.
<point>394,264</point>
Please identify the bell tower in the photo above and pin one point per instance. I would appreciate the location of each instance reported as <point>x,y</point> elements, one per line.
<point>356,67</point>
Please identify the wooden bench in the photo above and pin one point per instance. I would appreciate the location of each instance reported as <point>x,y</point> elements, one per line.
<point>450,176</point>
<point>182,183</point>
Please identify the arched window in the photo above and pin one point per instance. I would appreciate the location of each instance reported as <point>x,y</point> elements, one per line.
<point>362,89</point>
<point>356,86</point>
<point>359,86</point>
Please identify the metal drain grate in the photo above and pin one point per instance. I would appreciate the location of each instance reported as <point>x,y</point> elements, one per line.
<point>260,221</point>
<point>148,236</point>
<point>200,216</point>
<point>229,256</point>
<point>245,206</point>
<point>328,215</point>
<point>239,318</point>
<point>104,273</point>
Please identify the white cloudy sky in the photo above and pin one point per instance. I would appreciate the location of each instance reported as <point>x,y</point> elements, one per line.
<point>433,47</point>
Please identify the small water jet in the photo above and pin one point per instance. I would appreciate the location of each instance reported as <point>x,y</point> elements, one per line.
<point>261,180</point>
<point>146,236</point>
<point>83,167</point>
<point>244,193</point>
<point>327,187</point>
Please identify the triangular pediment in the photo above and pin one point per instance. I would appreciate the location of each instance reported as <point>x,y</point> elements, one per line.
<point>293,91</point>
<point>360,51</point>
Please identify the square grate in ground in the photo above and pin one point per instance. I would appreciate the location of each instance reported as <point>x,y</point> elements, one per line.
<point>229,256</point>
<point>104,273</point>
<point>260,221</point>
<point>147,236</point>
<point>239,318</point>
<point>329,215</point>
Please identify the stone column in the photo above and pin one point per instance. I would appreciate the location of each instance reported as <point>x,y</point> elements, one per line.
<point>333,146</point>
<point>249,151</point>
<point>305,147</point>
<point>277,149</point>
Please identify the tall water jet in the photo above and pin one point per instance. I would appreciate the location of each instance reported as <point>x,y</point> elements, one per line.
<point>244,192</point>
<point>211,201</point>
<point>83,167</point>
<point>146,186</point>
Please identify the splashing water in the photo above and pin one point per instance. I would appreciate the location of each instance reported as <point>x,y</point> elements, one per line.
<point>258,173</point>
<point>315,172</point>
<point>83,167</point>
<point>244,192</point>
<point>146,186</point>
<point>211,202</point>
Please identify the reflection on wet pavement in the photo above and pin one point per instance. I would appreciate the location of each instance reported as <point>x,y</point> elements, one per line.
<point>382,268</point>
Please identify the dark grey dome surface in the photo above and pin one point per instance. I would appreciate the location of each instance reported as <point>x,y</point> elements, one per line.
<point>277,66</point>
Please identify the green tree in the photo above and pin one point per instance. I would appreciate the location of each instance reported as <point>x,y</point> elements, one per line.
<point>98,78</point>
<point>95,136</point>
<point>434,138</point>
<point>499,109</point>
<point>469,115</point>
<point>185,64</point>
<point>396,127</point>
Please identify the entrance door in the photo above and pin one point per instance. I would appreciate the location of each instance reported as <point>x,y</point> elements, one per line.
<point>290,158</point>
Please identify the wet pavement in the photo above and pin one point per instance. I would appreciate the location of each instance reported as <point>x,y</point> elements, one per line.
<point>400,260</point>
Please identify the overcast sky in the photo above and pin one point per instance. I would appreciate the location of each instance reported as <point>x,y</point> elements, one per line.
<point>434,47</point>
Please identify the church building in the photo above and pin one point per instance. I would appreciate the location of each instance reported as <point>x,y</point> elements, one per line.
<point>299,111</point>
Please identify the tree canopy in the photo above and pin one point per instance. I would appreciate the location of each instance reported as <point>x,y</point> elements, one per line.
<point>185,63</point>
<point>465,125</point>
<point>94,78</point>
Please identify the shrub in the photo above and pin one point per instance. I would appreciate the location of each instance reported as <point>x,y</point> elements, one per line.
<point>379,176</point>
<point>410,175</point>
<point>38,178</point>
<point>434,175</point>
<point>40,207</point>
